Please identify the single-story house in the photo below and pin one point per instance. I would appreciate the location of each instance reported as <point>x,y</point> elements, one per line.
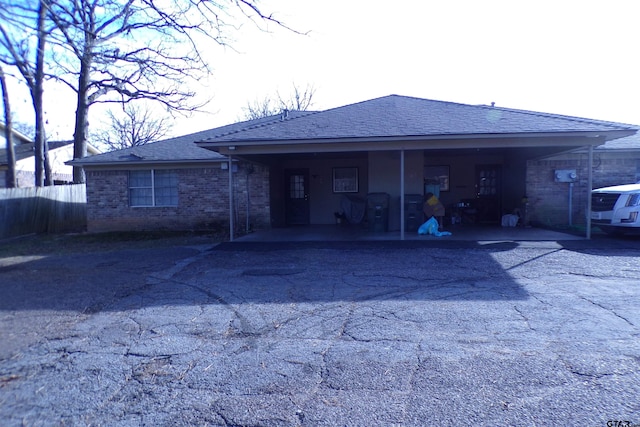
<point>60,152</point>
<point>381,156</point>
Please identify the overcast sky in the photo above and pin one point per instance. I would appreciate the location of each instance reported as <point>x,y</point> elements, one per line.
<point>568,57</point>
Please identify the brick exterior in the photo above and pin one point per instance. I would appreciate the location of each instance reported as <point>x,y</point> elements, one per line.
<point>549,200</point>
<point>203,202</point>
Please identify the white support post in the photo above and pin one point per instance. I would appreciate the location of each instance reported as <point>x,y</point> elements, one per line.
<point>402,224</point>
<point>231,225</point>
<point>589,188</point>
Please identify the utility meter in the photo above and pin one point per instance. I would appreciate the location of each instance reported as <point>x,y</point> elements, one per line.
<point>566,175</point>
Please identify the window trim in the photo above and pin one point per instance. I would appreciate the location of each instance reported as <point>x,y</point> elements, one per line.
<point>343,183</point>
<point>154,203</point>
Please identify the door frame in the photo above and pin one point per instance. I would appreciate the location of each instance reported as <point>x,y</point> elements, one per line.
<point>486,203</point>
<point>305,201</point>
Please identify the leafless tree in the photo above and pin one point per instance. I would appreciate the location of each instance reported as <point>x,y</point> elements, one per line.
<point>135,125</point>
<point>27,129</point>
<point>11,155</point>
<point>126,50</point>
<point>299,99</point>
<point>259,108</point>
<point>20,23</point>
<point>115,51</point>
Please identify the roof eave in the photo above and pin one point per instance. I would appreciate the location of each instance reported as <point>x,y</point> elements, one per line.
<point>120,163</point>
<point>582,138</point>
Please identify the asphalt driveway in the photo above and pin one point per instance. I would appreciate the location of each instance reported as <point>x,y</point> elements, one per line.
<point>341,334</point>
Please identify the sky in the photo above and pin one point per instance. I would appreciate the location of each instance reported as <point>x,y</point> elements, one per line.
<point>577,58</point>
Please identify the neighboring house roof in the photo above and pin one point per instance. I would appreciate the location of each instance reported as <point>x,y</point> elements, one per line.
<point>20,137</point>
<point>397,116</point>
<point>59,153</point>
<point>24,151</point>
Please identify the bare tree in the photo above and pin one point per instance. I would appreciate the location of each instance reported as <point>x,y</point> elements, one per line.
<point>299,99</point>
<point>259,108</point>
<point>11,155</point>
<point>27,129</point>
<point>126,50</point>
<point>135,125</point>
<point>19,23</point>
<point>115,51</point>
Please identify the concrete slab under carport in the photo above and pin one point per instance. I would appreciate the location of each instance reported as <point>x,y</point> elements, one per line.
<point>463,232</point>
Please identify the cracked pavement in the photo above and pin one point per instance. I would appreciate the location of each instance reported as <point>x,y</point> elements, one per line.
<point>375,334</point>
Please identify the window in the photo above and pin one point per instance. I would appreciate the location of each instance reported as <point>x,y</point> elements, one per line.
<point>345,180</point>
<point>437,175</point>
<point>153,188</point>
<point>296,187</point>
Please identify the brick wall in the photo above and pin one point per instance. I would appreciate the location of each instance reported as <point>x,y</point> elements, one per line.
<point>203,202</point>
<point>549,200</point>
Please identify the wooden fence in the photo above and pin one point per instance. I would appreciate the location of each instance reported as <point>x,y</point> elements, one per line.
<point>54,209</point>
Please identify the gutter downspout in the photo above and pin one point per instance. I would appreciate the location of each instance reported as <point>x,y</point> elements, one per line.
<point>402,194</point>
<point>231,225</point>
<point>589,188</point>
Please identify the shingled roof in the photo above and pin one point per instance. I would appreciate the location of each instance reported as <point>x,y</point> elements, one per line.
<point>390,117</point>
<point>18,137</point>
<point>629,143</point>
<point>25,150</point>
<point>180,148</point>
<point>397,116</point>
<point>21,151</point>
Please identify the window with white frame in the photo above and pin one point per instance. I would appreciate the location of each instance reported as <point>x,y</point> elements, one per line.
<point>345,180</point>
<point>153,188</point>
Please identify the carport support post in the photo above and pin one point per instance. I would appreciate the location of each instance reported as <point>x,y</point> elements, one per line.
<point>230,199</point>
<point>589,188</point>
<point>402,194</point>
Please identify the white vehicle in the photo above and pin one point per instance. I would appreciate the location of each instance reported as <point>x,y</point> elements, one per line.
<point>616,210</point>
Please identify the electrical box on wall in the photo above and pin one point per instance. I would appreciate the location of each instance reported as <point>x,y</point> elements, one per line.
<point>565,175</point>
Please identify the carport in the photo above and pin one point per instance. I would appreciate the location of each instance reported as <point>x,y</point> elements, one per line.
<point>394,137</point>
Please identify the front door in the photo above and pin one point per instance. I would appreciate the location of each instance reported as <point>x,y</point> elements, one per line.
<point>489,193</point>
<point>297,196</point>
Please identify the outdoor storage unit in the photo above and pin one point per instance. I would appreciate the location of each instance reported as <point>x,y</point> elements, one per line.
<point>378,211</point>
<point>413,216</point>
